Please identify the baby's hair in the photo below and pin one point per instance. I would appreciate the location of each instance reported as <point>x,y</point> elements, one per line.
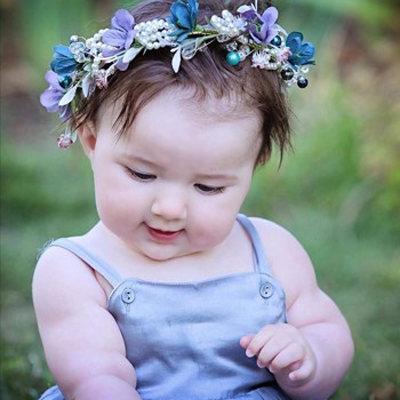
<point>206,76</point>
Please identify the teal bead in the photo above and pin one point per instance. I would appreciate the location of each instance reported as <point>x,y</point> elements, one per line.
<point>233,58</point>
<point>65,81</point>
<point>277,41</point>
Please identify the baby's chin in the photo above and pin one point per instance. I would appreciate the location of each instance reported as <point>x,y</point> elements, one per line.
<point>161,253</point>
<point>166,254</point>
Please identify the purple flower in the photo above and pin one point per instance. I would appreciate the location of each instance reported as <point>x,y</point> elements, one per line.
<point>52,96</point>
<point>247,13</point>
<point>120,35</point>
<point>267,32</point>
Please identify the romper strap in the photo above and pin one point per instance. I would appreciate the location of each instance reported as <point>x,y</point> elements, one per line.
<point>101,266</point>
<point>260,259</point>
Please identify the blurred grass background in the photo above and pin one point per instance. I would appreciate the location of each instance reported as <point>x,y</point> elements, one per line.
<point>339,193</point>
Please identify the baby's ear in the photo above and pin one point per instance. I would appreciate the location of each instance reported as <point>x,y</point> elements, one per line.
<point>88,137</point>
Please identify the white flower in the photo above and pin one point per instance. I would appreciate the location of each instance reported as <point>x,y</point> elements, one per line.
<point>260,59</point>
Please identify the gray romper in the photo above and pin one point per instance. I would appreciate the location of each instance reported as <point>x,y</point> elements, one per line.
<point>183,338</point>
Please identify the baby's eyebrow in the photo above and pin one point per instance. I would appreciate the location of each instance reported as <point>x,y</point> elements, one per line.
<point>139,158</point>
<point>218,176</point>
<point>209,176</point>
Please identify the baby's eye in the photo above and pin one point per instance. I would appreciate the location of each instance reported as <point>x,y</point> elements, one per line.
<point>140,176</point>
<point>209,189</point>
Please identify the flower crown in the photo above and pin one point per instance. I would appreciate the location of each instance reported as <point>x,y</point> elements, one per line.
<point>86,64</point>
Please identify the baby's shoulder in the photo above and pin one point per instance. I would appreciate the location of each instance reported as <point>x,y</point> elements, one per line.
<point>56,258</point>
<point>288,260</point>
<point>59,274</point>
<point>275,236</point>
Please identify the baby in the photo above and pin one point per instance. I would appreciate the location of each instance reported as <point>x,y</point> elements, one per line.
<point>173,294</point>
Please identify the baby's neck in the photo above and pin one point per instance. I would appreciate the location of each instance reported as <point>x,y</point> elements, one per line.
<point>232,256</point>
<point>102,238</point>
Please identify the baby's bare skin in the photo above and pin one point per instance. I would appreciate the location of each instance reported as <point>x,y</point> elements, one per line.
<point>178,188</point>
<point>311,353</point>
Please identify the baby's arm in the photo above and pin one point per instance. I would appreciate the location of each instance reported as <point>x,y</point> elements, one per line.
<point>83,345</point>
<point>310,355</point>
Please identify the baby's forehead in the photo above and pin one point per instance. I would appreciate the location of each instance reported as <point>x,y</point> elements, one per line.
<point>203,107</point>
<point>179,126</point>
<point>217,109</point>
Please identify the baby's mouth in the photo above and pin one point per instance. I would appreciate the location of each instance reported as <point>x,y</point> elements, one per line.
<point>159,234</point>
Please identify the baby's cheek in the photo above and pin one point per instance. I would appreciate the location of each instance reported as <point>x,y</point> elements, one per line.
<point>210,232</point>
<point>112,212</point>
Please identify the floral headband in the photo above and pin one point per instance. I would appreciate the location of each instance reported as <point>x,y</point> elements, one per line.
<point>86,64</point>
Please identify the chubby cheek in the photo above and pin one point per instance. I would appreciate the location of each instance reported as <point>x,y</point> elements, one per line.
<point>211,229</point>
<point>105,209</point>
<point>214,221</point>
<point>111,207</point>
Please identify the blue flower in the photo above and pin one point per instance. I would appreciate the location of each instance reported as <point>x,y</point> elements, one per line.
<point>121,35</point>
<point>184,16</point>
<point>267,32</point>
<point>302,53</point>
<point>64,61</point>
<point>51,97</point>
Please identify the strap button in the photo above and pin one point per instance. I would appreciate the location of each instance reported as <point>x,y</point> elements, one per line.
<point>128,296</point>
<point>267,290</point>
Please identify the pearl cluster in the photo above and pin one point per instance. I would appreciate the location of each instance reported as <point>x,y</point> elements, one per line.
<point>240,46</point>
<point>242,49</point>
<point>78,49</point>
<point>228,25</point>
<point>92,46</point>
<point>155,34</point>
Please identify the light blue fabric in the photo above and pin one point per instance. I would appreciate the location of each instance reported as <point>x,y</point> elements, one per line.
<point>183,338</point>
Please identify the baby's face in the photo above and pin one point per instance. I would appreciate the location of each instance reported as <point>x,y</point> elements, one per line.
<point>174,184</point>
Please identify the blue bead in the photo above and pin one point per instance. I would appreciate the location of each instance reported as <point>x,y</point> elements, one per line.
<point>302,82</point>
<point>276,41</point>
<point>287,74</point>
<point>65,81</point>
<point>233,58</point>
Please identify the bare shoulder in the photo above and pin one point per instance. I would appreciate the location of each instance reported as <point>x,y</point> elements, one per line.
<point>285,253</point>
<point>306,303</point>
<point>289,261</point>
<point>75,326</point>
<point>61,274</point>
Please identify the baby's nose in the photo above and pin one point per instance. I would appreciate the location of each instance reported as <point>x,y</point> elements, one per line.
<point>170,206</point>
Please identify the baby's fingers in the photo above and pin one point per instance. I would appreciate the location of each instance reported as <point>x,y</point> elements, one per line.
<point>304,372</point>
<point>259,341</point>
<point>245,340</point>
<point>289,355</point>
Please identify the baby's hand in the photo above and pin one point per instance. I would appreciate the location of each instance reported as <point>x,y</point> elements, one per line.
<point>283,350</point>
